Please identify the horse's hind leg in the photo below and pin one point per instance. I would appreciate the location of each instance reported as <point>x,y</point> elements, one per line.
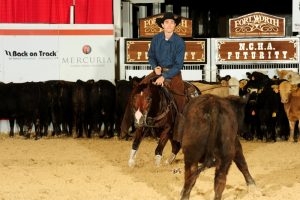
<point>222,169</point>
<point>135,145</point>
<point>175,149</point>
<point>241,163</point>
<point>190,177</point>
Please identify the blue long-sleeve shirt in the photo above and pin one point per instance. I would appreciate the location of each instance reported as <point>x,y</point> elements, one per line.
<point>167,53</point>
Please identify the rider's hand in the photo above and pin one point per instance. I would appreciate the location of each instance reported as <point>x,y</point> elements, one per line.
<point>157,70</point>
<point>160,81</point>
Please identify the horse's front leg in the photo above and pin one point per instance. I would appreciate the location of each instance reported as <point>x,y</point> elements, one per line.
<point>135,145</point>
<point>164,137</point>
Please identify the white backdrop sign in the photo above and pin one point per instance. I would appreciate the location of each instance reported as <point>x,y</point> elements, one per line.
<point>39,52</point>
<point>296,16</point>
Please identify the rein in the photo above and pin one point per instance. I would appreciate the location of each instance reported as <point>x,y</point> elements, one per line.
<point>157,118</point>
<point>212,88</point>
<point>186,89</point>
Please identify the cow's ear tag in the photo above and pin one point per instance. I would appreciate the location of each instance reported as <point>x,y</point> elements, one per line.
<point>274,114</point>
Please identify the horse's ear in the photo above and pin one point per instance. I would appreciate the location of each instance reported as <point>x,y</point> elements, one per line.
<point>130,78</point>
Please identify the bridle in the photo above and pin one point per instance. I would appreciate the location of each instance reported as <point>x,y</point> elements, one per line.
<point>150,122</point>
<point>155,119</point>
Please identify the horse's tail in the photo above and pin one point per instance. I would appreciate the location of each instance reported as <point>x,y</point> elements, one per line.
<point>209,160</point>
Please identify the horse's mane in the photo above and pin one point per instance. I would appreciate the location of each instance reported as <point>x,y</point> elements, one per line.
<point>139,88</point>
<point>149,86</point>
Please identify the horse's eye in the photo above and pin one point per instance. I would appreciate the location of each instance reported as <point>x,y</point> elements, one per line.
<point>148,99</point>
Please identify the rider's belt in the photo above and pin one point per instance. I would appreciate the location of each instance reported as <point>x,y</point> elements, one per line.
<point>164,69</point>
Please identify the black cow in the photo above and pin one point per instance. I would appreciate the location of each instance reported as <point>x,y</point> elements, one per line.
<point>94,107</point>
<point>8,104</point>
<point>80,109</point>
<point>209,128</point>
<point>123,90</point>
<point>19,101</point>
<point>264,111</point>
<point>108,103</point>
<point>30,96</point>
<point>59,98</point>
<point>101,106</point>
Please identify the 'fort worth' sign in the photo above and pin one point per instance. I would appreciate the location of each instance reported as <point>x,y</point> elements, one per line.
<point>257,24</point>
<point>148,27</point>
<point>136,51</point>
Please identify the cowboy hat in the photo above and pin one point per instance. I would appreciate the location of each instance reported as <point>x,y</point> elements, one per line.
<point>168,15</point>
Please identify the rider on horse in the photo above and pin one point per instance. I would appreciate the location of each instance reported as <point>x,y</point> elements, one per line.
<point>166,56</point>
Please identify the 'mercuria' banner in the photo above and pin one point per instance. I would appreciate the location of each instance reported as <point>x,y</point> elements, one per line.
<point>39,52</point>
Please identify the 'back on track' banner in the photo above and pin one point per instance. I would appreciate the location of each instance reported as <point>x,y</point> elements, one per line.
<point>40,52</point>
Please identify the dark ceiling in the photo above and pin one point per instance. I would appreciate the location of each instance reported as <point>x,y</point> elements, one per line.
<point>237,6</point>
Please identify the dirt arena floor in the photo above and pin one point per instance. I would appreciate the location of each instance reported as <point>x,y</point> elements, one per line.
<point>96,169</point>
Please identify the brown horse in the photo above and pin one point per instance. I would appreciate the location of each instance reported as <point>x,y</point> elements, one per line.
<point>153,106</point>
<point>209,128</point>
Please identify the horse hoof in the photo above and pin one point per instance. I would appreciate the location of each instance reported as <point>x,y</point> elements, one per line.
<point>171,159</point>
<point>157,160</point>
<point>254,191</point>
<point>131,163</point>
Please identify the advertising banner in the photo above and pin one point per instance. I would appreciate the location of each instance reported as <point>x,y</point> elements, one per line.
<point>40,52</point>
<point>296,16</point>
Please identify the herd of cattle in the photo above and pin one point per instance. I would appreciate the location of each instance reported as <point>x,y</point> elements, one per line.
<point>77,109</point>
<point>273,108</point>
<point>80,108</point>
